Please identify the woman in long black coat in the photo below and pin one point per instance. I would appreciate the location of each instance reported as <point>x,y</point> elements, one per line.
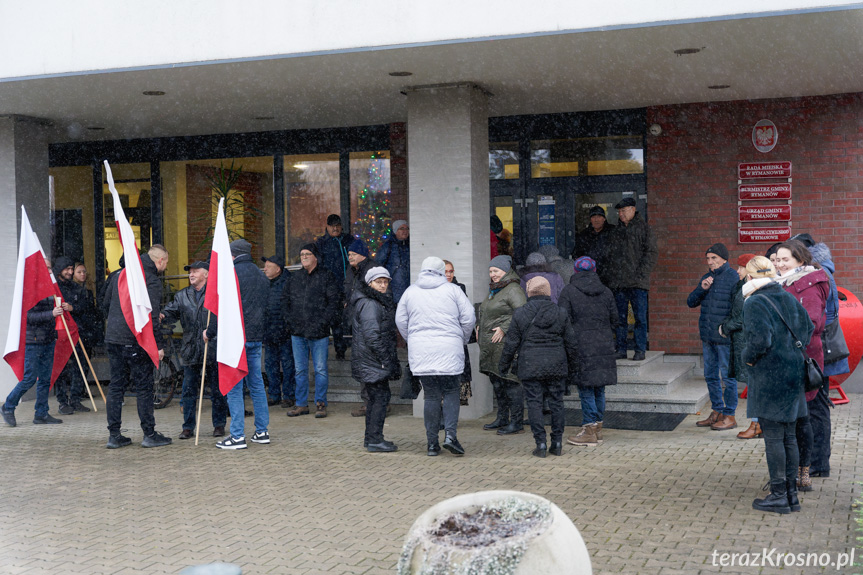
<point>373,357</point>
<point>776,375</point>
<point>542,336</point>
<point>593,314</point>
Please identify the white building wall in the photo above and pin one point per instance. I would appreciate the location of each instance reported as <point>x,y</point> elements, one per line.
<point>60,37</point>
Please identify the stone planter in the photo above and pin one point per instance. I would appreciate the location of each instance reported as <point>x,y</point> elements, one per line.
<point>494,533</point>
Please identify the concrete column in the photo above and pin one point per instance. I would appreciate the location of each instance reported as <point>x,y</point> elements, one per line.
<point>448,198</point>
<point>23,180</point>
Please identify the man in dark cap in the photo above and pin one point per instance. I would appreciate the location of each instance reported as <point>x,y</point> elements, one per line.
<point>631,257</point>
<point>188,308</point>
<point>333,249</point>
<point>593,241</point>
<point>69,385</point>
<point>278,353</point>
<point>713,293</point>
<point>311,303</point>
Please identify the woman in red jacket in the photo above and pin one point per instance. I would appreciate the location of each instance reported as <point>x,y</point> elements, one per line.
<point>806,281</point>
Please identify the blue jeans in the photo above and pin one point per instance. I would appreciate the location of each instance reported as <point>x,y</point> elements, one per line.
<point>592,404</point>
<point>320,349</point>
<point>279,364</point>
<point>716,359</point>
<point>255,383</point>
<point>638,299</point>
<point>38,362</point>
<point>191,390</point>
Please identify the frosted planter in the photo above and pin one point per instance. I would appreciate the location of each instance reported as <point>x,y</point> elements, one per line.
<point>494,533</point>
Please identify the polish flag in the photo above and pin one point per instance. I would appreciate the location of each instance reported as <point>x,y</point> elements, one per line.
<point>63,347</point>
<point>32,284</point>
<point>131,284</point>
<point>223,299</point>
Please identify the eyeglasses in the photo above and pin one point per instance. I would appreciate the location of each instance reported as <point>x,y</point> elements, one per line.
<point>307,255</point>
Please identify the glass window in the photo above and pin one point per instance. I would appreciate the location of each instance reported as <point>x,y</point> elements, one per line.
<point>503,210</point>
<point>503,161</point>
<point>190,199</point>
<point>312,191</point>
<point>371,197</point>
<point>72,213</point>
<point>133,186</point>
<point>587,156</point>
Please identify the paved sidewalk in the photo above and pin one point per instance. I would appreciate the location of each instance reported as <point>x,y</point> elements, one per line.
<point>314,502</point>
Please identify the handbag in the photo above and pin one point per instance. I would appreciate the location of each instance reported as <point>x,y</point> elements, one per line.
<point>835,348</point>
<point>814,377</point>
<point>411,385</point>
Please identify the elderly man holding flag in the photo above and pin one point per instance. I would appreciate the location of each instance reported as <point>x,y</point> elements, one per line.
<point>132,298</point>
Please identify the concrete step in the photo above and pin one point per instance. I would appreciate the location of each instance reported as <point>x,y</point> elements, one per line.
<point>627,367</point>
<point>689,396</point>
<point>656,379</point>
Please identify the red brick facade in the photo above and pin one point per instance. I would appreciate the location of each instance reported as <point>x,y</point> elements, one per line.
<point>398,172</point>
<point>692,192</point>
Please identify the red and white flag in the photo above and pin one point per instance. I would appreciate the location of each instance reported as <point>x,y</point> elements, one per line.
<point>131,283</point>
<point>223,299</point>
<point>63,347</point>
<point>32,284</point>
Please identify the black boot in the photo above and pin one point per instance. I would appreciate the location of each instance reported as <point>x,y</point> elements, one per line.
<point>502,419</point>
<point>791,490</point>
<point>776,502</point>
<point>515,394</point>
<point>541,449</point>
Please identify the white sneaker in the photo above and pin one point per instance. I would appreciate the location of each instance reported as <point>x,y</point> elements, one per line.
<point>232,443</point>
<point>261,437</point>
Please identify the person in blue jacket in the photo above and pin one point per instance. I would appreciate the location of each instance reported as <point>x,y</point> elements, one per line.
<point>713,293</point>
<point>333,249</point>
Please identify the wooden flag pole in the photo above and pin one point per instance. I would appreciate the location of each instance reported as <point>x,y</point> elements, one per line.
<point>93,371</point>
<point>201,391</point>
<point>69,335</point>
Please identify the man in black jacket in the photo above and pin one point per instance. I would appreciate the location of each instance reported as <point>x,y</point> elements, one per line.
<point>361,262</point>
<point>129,360</point>
<point>69,385</point>
<point>333,250</point>
<point>593,241</point>
<point>38,361</point>
<point>188,308</point>
<point>311,303</point>
<point>253,298</point>
<point>278,353</point>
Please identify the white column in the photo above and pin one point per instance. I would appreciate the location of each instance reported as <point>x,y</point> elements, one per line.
<point>23,180</point>
<point>448,199</point>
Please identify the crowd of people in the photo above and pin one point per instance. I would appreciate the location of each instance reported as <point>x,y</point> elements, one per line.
<point>543,328</point>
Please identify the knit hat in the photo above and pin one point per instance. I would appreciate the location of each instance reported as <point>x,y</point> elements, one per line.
<point>375,273</point>
<point>584,264</point>
<point>804,239</point>
<point>501,262</point>
<point>312,248</point>
<point>743,259</point>
<point>276,259</point>
<point>772,250</point>
<point>596,211</point>
<point>334,220</point>
<point>397,224</point>
<point>535,259</point>
<point>538,285</point>
<point>718,249</point>
<point>358,247</point>
<point>434,264</point>
<point>240,247</point>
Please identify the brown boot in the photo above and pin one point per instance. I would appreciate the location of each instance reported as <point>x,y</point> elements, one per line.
<point>321,410</point>
<point>586,437</point>
<point>724,422</point>
<point>751,433</point>
<point>298,410</point>
<point>359,411</point>
<point>804,482</point>
<point>599,432</point>
<point>711,419</point>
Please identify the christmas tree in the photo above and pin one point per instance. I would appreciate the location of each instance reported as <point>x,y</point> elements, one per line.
<point>373,220</point>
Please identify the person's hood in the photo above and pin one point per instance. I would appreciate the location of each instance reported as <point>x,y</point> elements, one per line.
<point>546,311</point>
<point>587,283</point>
<point>430,280</point>
<point>821,254</point>
<point>60,264</point>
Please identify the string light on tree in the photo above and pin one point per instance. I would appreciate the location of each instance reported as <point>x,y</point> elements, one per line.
<point>373,201</point>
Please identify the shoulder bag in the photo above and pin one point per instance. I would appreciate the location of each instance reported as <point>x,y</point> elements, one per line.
<point>814,377</point>
<point>835,347</point>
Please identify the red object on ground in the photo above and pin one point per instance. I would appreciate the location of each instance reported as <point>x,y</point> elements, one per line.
<point>851,320</point>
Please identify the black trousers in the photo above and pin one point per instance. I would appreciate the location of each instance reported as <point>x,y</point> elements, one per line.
<point>437,388</point>
<point>69,386</point>
<point>803,431</point>
<point>376,410</point>
<point>130,363</point>
<point>780,445</point>
<point>534,390</point>
<point>819,416</point>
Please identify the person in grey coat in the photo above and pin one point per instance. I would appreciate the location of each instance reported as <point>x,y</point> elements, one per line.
<point>436,318</point>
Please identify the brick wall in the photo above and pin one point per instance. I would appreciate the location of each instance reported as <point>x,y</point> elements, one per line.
<point>398,172</point>
<point>692,192</point>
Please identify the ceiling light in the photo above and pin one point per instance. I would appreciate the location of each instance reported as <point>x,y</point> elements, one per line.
<point>301,166</point>
<point>153,93</point>
<point>684,51</point>
<point>401,74</point>
<point>95,128</point>
<point>264,118</point>
<point>719,86</point>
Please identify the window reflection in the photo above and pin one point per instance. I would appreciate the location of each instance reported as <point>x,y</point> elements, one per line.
<point>587,156</point>
<point>312,189</point>
<point>503,161</point>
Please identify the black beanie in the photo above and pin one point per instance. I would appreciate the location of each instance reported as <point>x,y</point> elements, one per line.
<point>718,249</point>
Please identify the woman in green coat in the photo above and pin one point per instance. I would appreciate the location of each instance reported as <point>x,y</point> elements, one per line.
<point>495,314</point>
